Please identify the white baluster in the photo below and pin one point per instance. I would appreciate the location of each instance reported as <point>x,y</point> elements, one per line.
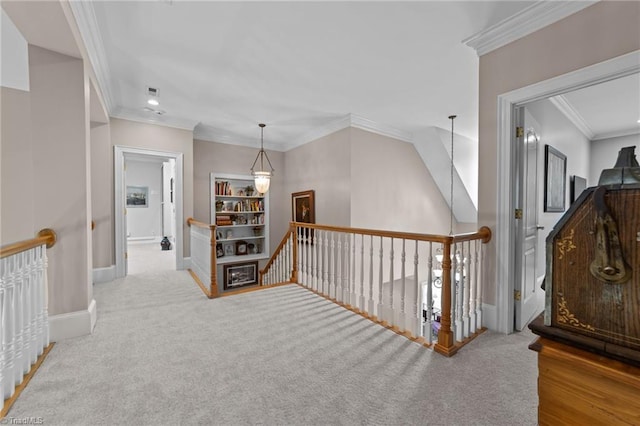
<point>314,250</point>
<point>428,323</point>
<point>381,307</point>
<point>346,272</point>
<point>3,270</point>
<point>480,272</point>
<point>403,291</point>
<point>352,267</point>
<point>370,309</point>
<point>325,264</point>
<point>417,318</point>
<point>339,269</point>
<point>456,296</point>
<point>8,329</point>
<point>332,265</point>
<point>391,309</point>
<point>361,303</point>
<point>19,317</point>
<point>466,276</point>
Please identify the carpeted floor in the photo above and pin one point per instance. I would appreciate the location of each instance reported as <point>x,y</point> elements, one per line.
<point>163,354</point>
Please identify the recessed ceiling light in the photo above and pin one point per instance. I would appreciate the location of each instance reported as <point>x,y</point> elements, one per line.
<point>153,102</point>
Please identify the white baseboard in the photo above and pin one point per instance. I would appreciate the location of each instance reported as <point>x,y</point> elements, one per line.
<point>73,324</point>
<point>103,275</point>
<point>490,317</point>
<point>186,263</point>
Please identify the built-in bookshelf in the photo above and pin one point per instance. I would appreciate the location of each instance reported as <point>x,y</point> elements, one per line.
<point>241,216</point>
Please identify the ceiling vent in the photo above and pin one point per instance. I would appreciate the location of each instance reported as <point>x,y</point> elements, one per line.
<point>152,91</point>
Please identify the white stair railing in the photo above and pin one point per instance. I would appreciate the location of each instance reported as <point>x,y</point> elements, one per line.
<point>427,287</point>
<point>24,322</point>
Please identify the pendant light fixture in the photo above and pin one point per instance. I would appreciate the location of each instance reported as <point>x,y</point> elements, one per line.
<point>261,177</point>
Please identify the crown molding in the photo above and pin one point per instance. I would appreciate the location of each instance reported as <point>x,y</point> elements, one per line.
<point>88,26</point>
<point>149,118</point>
<point>565,107</point>
<point>380,129</point>
<point>320,132</point>
<point>523,23</point>
<point>617,133</point>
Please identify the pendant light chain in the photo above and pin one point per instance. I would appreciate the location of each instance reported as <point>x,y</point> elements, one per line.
<point>451,117</point>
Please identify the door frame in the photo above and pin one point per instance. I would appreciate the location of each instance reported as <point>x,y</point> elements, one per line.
<point>505,222</point>
<point>119,203</point>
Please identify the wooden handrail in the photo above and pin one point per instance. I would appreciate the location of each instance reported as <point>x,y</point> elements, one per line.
<point>379,233</point>
<point>275,254</point>
<point>45,236</point>
<point>192,221</point>
<point>484,234</point>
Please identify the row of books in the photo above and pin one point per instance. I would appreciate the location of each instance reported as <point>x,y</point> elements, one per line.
<point>224,220</point>
<point>223,188</point>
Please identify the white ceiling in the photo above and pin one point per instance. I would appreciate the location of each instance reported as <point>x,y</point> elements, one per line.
<point>226,66</point>
<point>607,109</point>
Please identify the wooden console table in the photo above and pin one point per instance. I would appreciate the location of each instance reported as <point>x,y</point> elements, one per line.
<point>577,387</point>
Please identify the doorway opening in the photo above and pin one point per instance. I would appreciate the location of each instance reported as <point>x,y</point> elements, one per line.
<point>148,205</point>
<point>506,228</point>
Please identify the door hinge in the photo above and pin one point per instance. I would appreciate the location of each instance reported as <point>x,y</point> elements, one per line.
<point>125,211</point>
<point>126,255</point>
<point>518,214</point>
<point>519,132</point>
<point>517,295</point>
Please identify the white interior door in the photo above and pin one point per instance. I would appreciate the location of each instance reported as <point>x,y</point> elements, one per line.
<point>527,292</point>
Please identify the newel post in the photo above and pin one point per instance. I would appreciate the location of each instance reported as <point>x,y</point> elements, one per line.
<point>445,345</point>
<point>294,268</point>
<point>213,285</point>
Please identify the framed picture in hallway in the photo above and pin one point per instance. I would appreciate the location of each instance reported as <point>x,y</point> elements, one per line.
<point>137,196</point>
<point>555,169</point>
<point>303,211</point>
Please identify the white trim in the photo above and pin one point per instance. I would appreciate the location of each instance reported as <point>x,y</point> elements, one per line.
<point>490,316</point>
<point>151,118</point>
<point>85,16</point>
<point>565,107</point>
<point>186,263</point>
<point>380,129</point>
<point>120,237</point>
<point>616,134</point>
<point>103,275</point>
<point>525,22</point>
<point>73,324</point>
<point>608,70</point>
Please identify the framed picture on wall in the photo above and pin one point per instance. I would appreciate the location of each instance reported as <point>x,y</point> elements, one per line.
<point>303,211</point>
<point>137,196</point>
<point>555,168</point>
<point>578,184</point>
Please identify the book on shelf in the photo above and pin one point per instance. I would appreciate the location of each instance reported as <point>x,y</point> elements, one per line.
<point>223,188</point>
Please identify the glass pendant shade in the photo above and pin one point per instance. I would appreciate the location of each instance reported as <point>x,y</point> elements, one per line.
<point>262,181</point>
<point>261,177</point>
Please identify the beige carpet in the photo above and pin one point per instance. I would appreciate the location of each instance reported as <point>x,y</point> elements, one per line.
<point>162,353</point>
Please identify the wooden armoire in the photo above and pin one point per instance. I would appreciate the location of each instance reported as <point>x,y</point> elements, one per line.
<point>589,344</point>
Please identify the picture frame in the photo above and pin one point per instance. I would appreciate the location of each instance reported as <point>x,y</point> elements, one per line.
<point>303,211</point>
<point>219,250</point>
<point>241,248</point>
<point>240,274</point>
<point>576,186</point>
<point>137,196</point>
<point>303,206</point>
<point>555,168</point>
<point>229,250</point>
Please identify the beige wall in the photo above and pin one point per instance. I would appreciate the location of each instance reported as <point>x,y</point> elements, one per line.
<point>232,159</point>
<point>391,188</point>
<point>323,165</point>
<point>160,138</point>
<point>61,185</point>
<point>603,31</point>
<point>102,196</point>
<point>16,173</point>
